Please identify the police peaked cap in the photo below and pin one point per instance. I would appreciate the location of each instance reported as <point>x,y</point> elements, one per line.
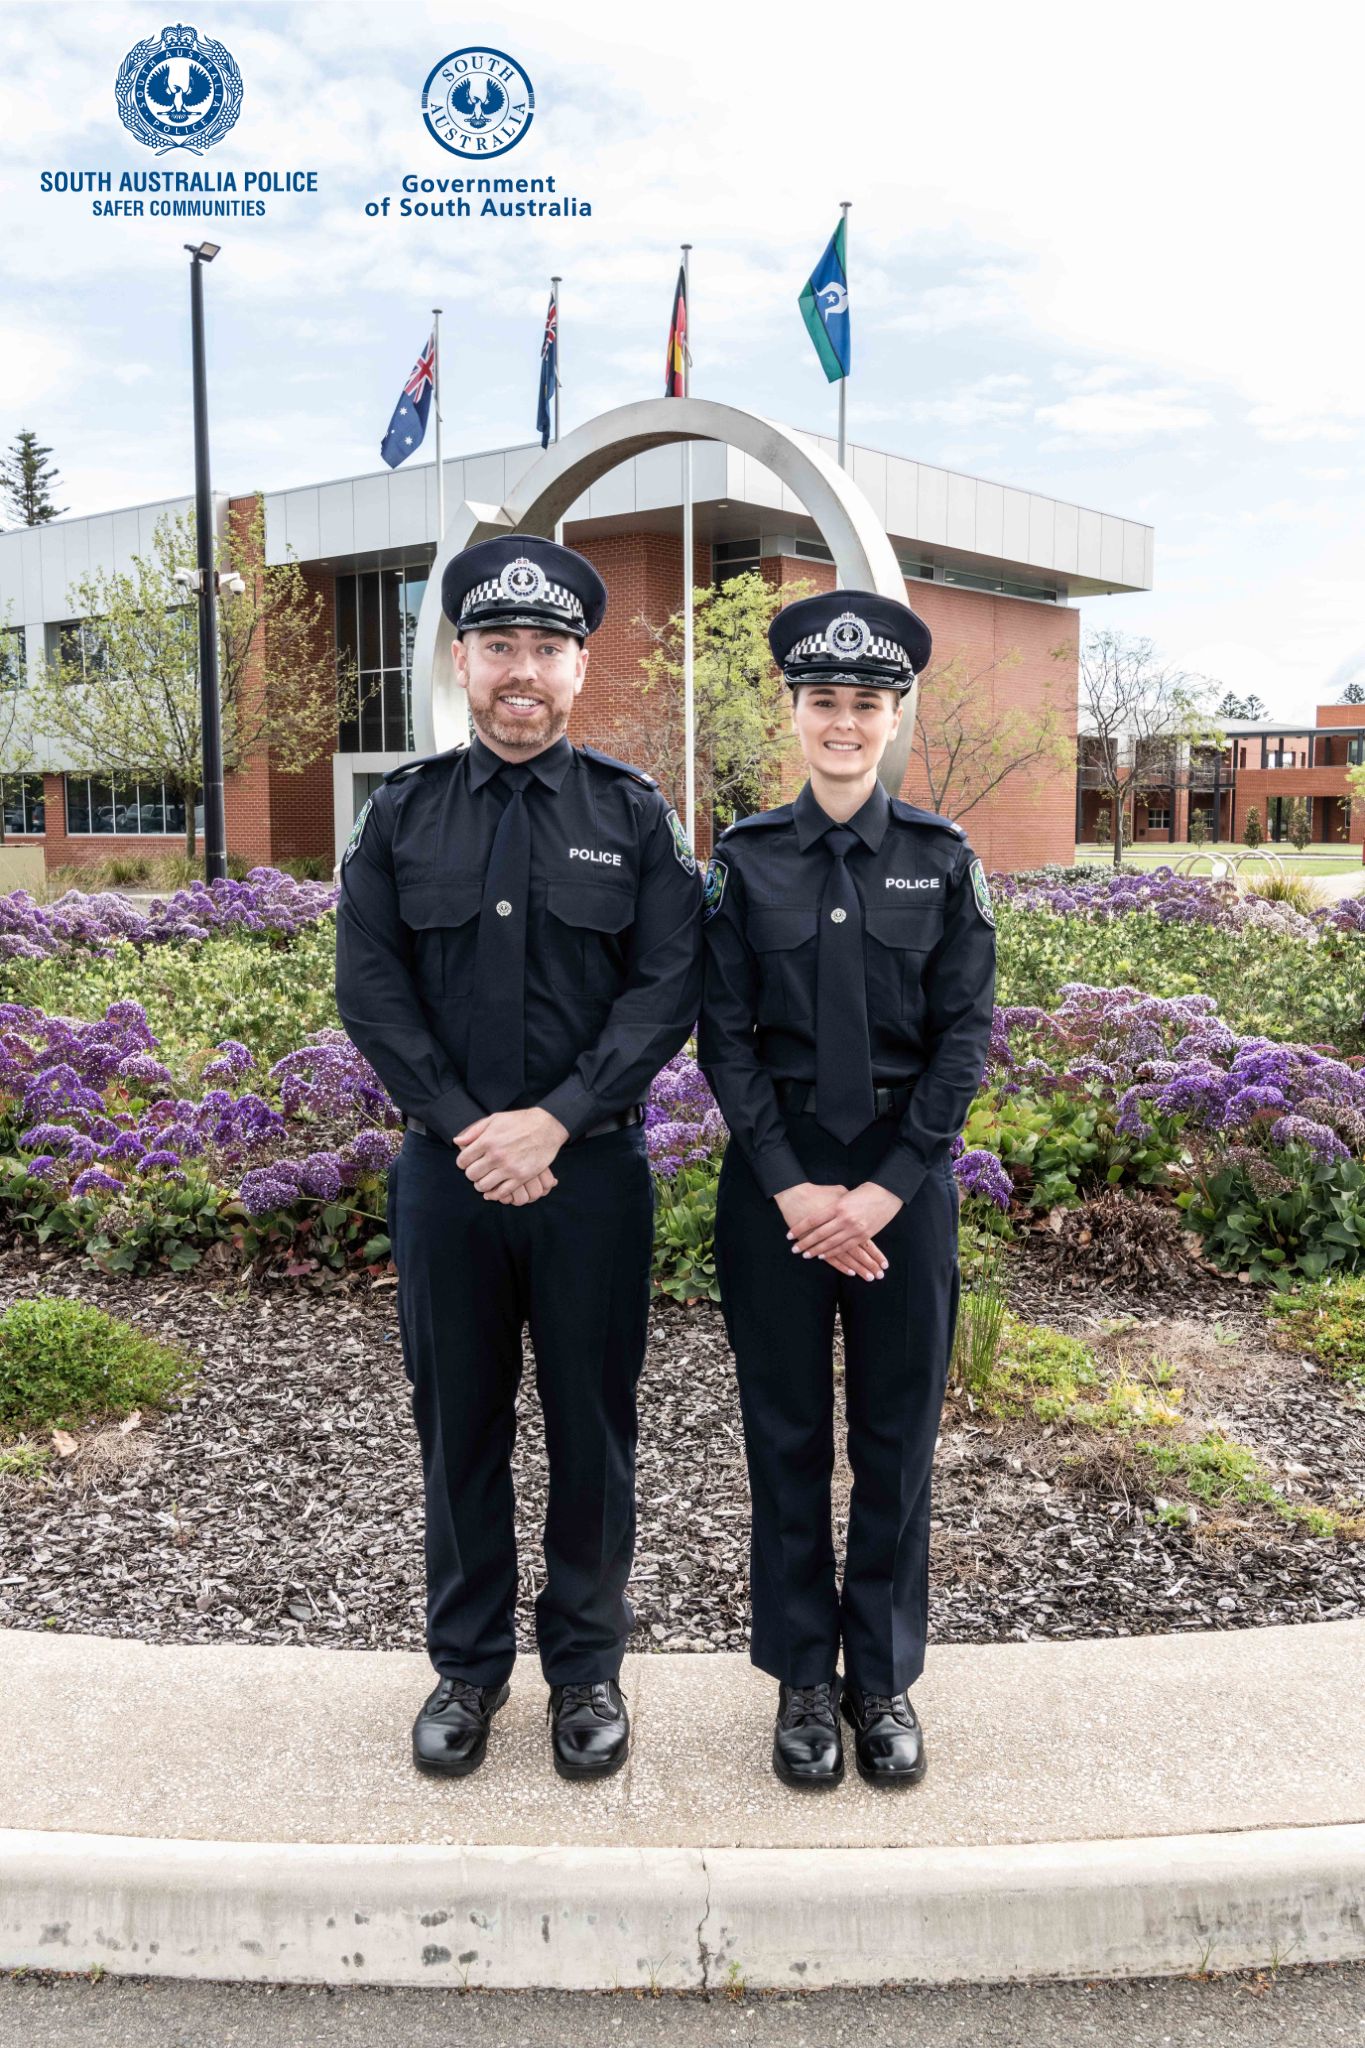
<point>850,636</point>
<point>521,580</point>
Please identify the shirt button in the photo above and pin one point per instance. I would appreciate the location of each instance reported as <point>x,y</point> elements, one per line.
<point>504,908</point>
<point>837,916</point>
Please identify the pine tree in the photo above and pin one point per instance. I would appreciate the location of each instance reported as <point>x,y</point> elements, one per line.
<point>26,479</point>
<point>1354,693</point>
<point>1251,829</point>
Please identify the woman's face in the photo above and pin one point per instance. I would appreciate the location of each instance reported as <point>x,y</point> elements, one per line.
<point>844,728</point>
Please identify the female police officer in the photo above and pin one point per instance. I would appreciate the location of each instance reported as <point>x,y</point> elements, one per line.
<point>849,980</point>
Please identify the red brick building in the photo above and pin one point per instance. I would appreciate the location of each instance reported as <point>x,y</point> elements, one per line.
<point>1270,767</point>
<point>995,571</point>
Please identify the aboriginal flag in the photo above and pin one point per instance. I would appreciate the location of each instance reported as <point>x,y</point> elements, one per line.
<point>678,357</point>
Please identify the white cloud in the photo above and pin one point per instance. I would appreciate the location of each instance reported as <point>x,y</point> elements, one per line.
<point>1113,417</point>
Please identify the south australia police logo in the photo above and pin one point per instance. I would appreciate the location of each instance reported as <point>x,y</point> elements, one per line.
<point>179,90</point>
<point>847,636</point>
<point>523,580</point>
<point>478,102</point>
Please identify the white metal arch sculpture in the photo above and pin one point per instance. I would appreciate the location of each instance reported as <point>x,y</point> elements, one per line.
<point>864,558</point>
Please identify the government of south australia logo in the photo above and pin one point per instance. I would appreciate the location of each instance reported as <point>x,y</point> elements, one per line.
<point>179,90</point>
<point>478,102</point>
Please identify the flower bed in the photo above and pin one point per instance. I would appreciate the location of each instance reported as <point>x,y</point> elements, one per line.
<point>144,1135</point>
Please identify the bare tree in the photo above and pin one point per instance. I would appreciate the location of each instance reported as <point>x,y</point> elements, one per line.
<point>741,705</point>
<point>121,693</point>
<point>969,744</point>
<point>1136,713</point>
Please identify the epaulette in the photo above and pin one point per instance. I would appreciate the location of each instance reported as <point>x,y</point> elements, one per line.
<point>781,816</point>
<point>610,761</point>
<point>411,767</point>
<point>913,815</point>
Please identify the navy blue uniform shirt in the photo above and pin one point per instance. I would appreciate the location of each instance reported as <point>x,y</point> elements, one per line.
<point>929,955</point>
<point>613,940</point>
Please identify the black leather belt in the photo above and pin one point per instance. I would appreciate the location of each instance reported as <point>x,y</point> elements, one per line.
<point>800,1095</point>
<point>620,1120</point>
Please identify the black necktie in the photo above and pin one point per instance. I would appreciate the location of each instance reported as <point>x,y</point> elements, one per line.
<point>497,1042</point>
<point>844,1102</point>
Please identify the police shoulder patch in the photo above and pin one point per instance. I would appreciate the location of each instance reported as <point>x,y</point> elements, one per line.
<point>716,872</point>
<point>681,845</point>
<point>357,829</point>
<point>981,892</point>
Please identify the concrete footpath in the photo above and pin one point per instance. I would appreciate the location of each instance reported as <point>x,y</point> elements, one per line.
<point>1139,1806</point>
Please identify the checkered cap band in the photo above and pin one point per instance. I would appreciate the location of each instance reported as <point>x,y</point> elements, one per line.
<point>554,597</point>
<point>876,648</point>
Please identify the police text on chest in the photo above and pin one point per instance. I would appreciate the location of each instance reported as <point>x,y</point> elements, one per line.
<point>589,853</point>
<point>912,881</point>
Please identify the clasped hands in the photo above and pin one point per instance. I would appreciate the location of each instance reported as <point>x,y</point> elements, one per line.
<point>828,1221</point>
<point>508,1155</point>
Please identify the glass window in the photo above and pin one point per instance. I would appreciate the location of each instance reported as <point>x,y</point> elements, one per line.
<point>21,797</point>
<point>414,590</point>
<point>173,815</point>
<point>125,806</point>
<point>377,627</point>
<point>1355,752</point>
<point>77,803</point>
<point>152,806</point>
<point>12,657</point>
<point>367,588</point>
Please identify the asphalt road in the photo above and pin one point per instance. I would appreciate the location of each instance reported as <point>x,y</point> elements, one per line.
<point>1294,2008</point>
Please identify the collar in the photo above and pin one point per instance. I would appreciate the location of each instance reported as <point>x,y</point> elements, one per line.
<point>869,823</point>
<point>549,767</point>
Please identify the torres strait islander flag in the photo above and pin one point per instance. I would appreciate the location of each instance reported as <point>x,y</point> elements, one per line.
<point>677,359</point>
<point>824,308</point>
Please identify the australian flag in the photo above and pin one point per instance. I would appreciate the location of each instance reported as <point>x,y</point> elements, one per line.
<point>549,374</point>
<point>409,421</point>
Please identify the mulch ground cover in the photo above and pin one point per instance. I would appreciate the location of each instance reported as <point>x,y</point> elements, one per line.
<point>280,1502</point>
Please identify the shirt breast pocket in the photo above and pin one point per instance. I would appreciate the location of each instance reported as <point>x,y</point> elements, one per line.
<point>442,916</point>
<point>901,935</point>
<point>589,928</point>
<point>783,938</point>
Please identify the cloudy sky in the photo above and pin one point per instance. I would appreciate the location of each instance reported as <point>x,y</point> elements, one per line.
<point>1108,254</point>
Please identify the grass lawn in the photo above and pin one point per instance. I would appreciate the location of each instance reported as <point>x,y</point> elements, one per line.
<point>1314,860</point>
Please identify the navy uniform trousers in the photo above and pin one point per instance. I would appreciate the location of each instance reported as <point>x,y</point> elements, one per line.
<point>575,1266</point>
<point>779,1313</point>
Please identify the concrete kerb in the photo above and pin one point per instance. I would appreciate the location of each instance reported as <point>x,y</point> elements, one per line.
<point>686,1919</point>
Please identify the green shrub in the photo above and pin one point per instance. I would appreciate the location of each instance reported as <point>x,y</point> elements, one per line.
<point>1271,988</point>
<point>1254,1219</point>
<point>62,1362</point>
<point>684,1235</point>
<point>1326,1318</point>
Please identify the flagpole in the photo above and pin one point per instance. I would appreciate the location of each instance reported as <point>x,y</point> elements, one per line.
<point>436,407</point>
<point>844,205</point>
<point>554,294</point>
<point>689,708</point>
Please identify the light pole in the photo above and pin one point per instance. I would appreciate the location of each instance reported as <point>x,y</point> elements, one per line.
<point>215,823</point>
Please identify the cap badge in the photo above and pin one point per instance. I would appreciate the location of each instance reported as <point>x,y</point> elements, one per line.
<point>847,636</point>
<point>523,580</point>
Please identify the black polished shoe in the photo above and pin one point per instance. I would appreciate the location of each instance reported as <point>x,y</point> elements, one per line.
<point>808,1748</point>
<point>888,1741</point>
<point>450,1733</point>
<point>589,1729</point>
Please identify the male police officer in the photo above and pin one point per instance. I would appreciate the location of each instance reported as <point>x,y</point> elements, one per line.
<point>850,968</point>
<point>518,953</point>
